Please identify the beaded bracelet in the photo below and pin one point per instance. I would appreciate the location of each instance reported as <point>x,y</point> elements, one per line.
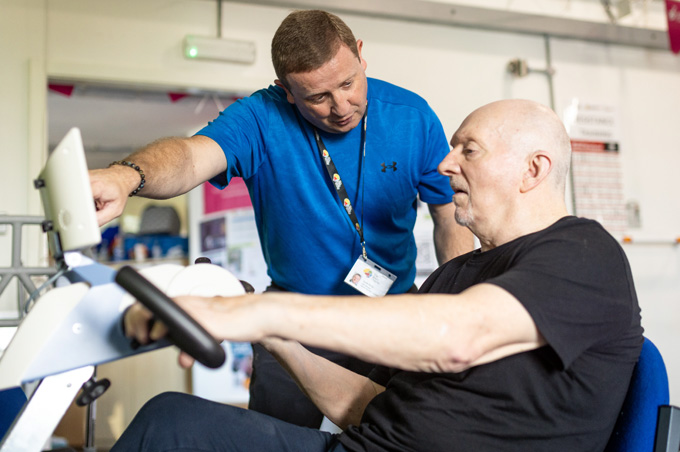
<point>136,168</point>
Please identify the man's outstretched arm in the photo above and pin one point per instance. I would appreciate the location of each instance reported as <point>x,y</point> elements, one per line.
<point>171,166</point>
<point>413,332</point>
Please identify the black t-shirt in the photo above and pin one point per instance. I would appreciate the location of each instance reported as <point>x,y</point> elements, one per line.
<point>575,281</point>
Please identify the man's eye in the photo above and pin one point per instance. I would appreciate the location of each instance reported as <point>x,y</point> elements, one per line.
<point>317,99</point>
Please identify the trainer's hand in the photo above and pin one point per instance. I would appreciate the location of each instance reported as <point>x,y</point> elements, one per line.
<point>137,320</point>
<point>110,190</point>
<point>185,360</point>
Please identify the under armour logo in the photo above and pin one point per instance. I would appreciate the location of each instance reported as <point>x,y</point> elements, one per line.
<point>393,166</point>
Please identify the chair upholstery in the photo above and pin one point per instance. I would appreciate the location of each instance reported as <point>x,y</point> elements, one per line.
<point>11,402</point>
<point>635,428</point>
<point>158,219</point>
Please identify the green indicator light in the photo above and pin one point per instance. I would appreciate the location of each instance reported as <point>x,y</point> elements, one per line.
<point>192,52</point>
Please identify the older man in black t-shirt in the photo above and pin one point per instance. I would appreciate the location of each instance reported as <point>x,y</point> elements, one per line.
<point>525,344</point>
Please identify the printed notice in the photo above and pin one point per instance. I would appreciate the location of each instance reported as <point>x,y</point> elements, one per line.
<point>597,177</point>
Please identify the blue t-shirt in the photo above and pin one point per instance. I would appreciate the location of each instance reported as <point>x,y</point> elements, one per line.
<point>307,238</point>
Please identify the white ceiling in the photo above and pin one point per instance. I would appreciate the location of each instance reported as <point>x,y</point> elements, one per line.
<point>114,121</point>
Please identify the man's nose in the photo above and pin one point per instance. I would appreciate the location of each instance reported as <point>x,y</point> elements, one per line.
<point>341,105</point>
<point>450,165</point>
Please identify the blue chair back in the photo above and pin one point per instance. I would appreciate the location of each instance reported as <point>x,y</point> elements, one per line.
<point>11,402</point>
<point>636,426</point>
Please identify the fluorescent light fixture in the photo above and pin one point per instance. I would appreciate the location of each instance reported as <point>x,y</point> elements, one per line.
<point>219,49</point>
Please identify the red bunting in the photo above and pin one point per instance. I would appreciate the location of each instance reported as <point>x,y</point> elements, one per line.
<point>66,90</point>
<point>174,97</point>
<point>673,14</point>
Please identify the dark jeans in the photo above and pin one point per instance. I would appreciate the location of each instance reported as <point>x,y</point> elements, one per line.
<point>174,422</point>
<point>275,393</point>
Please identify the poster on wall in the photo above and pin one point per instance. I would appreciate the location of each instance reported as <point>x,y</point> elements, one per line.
<point>234,196</point>
<point>244,253</point>
<point>597,177</point>
<point>214,240</point>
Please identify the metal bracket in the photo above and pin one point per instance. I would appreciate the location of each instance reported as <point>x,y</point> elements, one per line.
<point>17,270</point>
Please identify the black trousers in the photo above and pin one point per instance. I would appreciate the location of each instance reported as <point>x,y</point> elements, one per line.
<point>174,422</point>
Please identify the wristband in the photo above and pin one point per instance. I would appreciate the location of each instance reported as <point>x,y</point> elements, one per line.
<point>134,167</point>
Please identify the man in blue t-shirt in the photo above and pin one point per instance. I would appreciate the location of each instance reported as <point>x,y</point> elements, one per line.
<point>334,163</point>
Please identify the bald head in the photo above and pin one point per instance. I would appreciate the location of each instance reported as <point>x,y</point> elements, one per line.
<point>525,127</point>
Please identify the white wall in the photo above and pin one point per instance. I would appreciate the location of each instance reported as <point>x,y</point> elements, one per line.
<point>456,69</point>
<point>22,127</point>
<point>128,41</point>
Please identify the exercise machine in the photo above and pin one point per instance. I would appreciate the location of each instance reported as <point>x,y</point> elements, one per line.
<point>78,325</point>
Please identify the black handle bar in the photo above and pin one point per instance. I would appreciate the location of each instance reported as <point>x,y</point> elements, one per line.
<point>183,331</point>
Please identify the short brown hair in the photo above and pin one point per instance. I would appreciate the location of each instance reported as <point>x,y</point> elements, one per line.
<point>306,40</point>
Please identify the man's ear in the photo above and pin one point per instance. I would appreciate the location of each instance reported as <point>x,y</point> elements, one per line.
<point>360,45</point>
<point>289,96</point>
<point>538,168</point>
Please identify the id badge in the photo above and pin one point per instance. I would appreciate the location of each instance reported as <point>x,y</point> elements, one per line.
<point>369,278</point>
